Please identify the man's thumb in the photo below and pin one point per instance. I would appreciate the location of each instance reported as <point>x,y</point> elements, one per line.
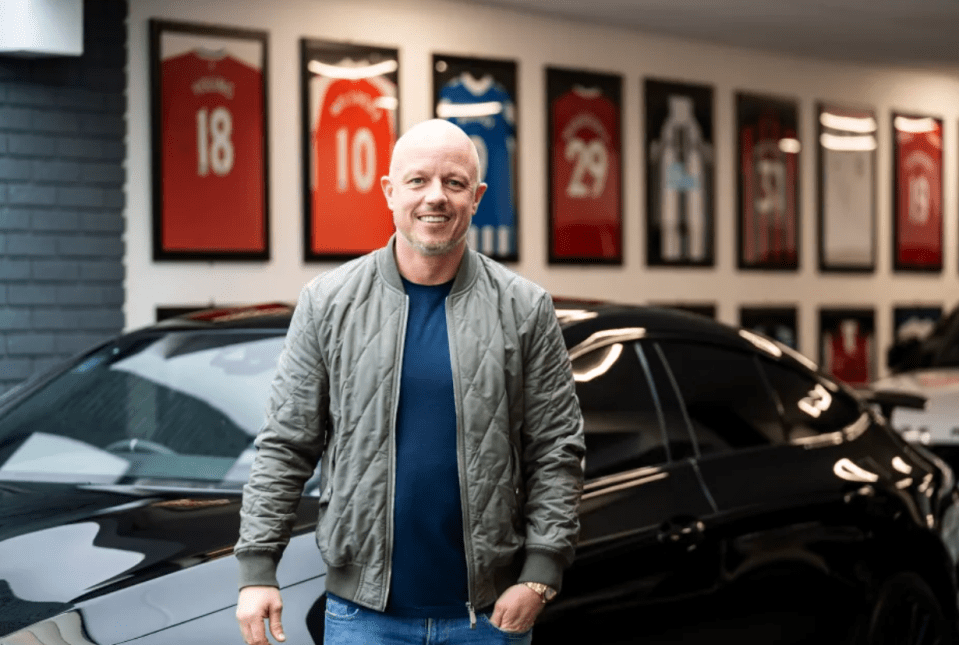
<point>276,627</point>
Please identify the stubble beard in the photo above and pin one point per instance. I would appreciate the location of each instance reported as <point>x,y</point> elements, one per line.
<point>436,248</point>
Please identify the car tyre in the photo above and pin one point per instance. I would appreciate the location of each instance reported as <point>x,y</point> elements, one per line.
<point>904,611</point>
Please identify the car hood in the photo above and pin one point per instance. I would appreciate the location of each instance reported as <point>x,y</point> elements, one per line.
<point>63,546</point>
<point>939,421</point>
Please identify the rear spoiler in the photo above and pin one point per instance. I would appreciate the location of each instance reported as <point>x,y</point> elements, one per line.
<point>888,400</point>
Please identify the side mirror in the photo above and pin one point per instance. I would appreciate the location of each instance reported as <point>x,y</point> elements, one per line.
<point>888,400</point>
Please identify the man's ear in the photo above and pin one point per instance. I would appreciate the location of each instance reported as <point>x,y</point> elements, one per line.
<point>480,189</point>
<point>387,186</point>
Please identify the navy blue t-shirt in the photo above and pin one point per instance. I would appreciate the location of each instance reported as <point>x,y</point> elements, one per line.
<point>429,577</point>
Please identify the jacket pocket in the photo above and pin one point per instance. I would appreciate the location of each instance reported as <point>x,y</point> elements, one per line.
<point>325,519</point>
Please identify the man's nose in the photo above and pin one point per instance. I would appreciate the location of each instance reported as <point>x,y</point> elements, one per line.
<point>436,193</point>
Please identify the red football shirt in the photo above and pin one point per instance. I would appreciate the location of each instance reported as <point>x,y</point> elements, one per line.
<point>919,202</point>
<point>352,133</point>
<point>848,353</point>
<point>585,169</point>
<point>769,178</point>
<point>213,154</point>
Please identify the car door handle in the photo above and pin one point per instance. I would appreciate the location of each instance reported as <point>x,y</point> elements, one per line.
<point>682,531</point>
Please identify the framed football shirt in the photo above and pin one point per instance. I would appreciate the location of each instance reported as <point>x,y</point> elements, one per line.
<point>680,174</point>
<point>584,166</point>
<point>847,188</point>
<point>847,344</point>
<point>479,95</point>
<point>210,197</point>
<point>350,111</point>
<point>768,183</point>
<point>917,193</point>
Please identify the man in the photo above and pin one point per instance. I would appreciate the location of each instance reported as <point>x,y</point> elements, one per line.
<point>435,386</point>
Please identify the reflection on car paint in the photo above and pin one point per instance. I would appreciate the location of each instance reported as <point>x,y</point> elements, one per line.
<point>763,344</point>
<point>61,563</point>
<point>610,355</point>
<point>846,469</point>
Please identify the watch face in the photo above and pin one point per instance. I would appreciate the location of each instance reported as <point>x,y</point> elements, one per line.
<point>544,590</point>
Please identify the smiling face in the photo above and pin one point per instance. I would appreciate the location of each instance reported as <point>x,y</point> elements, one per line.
<point>433,188</point>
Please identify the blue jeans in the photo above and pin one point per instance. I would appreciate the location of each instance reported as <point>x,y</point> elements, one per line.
<point>349,624</point>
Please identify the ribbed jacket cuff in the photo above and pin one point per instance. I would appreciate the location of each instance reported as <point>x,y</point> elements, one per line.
<point>257,568</point>
<point>541,566</point>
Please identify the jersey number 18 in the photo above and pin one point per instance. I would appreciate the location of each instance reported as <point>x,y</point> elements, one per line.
<point>214,146</point>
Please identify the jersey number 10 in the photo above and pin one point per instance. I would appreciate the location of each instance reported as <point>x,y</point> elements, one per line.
<point>356,159</point>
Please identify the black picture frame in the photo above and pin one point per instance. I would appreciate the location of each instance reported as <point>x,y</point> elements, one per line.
<point>210,144</point>
<point>914,320</point>
<point>349,116</point>
<point>779,322</point>
<point>911,325</point>
<point>768,159</point>
<point>584,167</point>
<point>917,193</point>
<point>680,161</point>
<point>480,95</point>
<point>847,344</point>
<point>847,169</point>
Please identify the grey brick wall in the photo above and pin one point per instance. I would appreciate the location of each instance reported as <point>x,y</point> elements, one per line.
<point>62,129</point>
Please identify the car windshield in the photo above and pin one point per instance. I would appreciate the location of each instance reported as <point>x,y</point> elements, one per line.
<point>164,408</point>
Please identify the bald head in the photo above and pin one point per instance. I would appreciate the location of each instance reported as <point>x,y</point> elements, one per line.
<point>429,134</point>
<point>433,190</point>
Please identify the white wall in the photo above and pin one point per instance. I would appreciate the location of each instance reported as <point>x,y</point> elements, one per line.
<point>420,28</point>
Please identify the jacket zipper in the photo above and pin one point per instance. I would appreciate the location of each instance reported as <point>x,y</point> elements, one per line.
<point>461,464</point>
<point>391,475</point>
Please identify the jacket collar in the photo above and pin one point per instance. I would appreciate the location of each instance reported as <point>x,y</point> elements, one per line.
<point>386,263</point>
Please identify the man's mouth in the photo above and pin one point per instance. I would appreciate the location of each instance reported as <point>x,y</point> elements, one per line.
<point>433,219</point>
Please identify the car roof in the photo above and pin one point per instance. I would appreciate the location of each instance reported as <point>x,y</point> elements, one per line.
<point>579,318</point>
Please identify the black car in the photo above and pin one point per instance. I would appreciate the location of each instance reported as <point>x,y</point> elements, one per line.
<point>732,490</point>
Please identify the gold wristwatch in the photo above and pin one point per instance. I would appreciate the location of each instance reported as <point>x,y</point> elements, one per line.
<point>545,592</point>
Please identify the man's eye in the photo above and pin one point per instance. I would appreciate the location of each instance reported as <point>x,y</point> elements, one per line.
<point>416,180</point>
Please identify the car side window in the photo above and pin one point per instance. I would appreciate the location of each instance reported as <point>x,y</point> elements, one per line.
<point>622,421</point>
<point>809,407</point>
<point>729,404</point>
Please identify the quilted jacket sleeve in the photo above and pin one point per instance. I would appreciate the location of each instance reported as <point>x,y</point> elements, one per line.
<point>553,449</point>
<point>287,449</point>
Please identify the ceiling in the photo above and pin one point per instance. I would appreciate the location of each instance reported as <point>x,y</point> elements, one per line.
<point>903,33</point>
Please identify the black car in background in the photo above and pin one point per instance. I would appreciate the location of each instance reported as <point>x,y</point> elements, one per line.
<point>733,491</point>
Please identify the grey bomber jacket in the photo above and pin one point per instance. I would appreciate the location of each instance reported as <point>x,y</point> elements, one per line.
<point>519,430</point>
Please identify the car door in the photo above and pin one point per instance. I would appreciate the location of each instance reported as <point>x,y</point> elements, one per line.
<point>776,454</point>
<point>641,534</point>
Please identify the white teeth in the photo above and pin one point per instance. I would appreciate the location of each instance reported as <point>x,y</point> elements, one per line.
<point>433,220</point>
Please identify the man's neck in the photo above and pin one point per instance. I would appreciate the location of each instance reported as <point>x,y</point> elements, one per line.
<point>427,269</point>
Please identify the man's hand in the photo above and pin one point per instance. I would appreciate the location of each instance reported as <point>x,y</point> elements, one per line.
<point>253,606</point>
<point>517,609</point>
